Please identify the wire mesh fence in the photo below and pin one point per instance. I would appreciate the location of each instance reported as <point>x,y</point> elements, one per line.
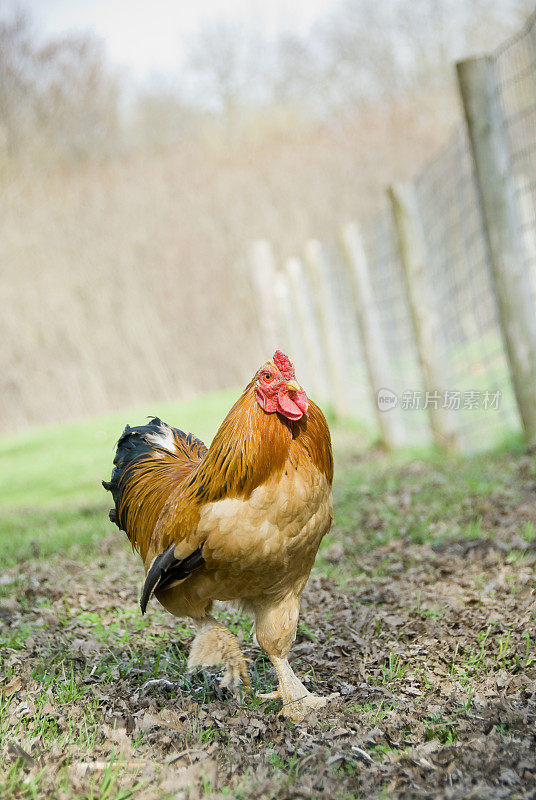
<point>395,320</point>
<point>458,272</point>
<point>466,312</point>
<point>515,69</point>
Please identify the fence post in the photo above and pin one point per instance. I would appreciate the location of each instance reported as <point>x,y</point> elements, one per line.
<point>412,250</point>
<point>263,278</point>
<point>374,347</point>
<point>294,338</point>
<point>502,229</point>
<point>314,351</point>
<point>327,315</point>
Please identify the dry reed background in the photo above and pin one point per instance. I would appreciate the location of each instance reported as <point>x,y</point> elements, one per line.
<point>122,255</point>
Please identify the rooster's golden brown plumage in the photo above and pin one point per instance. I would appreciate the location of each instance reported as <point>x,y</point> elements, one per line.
<point>239,521</point>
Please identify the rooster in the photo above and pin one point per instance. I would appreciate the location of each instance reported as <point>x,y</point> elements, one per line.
<point>238,521</point>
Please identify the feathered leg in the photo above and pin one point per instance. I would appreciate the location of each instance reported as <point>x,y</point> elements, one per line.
<point>214,644</point>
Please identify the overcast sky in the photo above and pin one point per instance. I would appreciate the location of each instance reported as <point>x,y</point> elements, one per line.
<point>149,36</point>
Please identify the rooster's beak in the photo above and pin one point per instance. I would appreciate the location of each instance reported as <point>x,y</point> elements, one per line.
<point>293,386</point>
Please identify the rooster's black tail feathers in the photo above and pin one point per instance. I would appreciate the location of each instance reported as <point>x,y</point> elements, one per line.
<point>154,439</point>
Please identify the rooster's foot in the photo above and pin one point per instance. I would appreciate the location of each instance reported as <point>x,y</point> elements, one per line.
<point>297,700</point>
<point>214,645</point>
<point>297,708</point>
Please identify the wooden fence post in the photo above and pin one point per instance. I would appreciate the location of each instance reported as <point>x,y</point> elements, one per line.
<point>314,351</point>
<point>412,250</point>
<point>374,347</point>
<point>293,341</point>
<point>328,317</point>
<point>263,272</point>
<point>502,229</point>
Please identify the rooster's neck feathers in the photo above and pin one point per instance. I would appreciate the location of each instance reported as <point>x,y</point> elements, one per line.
<point>251,446</point>
<point>248,447</point>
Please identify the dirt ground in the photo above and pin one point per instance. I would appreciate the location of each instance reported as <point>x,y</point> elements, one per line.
<point>430,645</point>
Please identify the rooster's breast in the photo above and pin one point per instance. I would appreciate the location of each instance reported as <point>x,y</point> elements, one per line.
<point>272,536</point>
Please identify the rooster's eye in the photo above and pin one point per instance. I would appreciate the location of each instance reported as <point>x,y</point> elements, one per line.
<point>267,376</point>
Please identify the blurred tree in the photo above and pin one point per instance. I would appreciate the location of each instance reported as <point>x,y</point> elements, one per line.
<point>17,69</point>
<point>296,73</point>
<point>391,49</point>
<point>361,51</point>
<point>217,61</point>
<point>77,99</point>
<point>58,97</point>
<point>61,98</point>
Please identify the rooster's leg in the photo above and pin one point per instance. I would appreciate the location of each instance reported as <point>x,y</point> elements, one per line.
<point>276,630</point>
<point>214,644</point>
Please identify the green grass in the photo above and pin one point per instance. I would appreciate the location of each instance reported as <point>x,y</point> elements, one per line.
<point>65,463</point>
<point>39,533</point>
<point>418,502</point>
<point>51,498</point>
<point>107,784</point>
<point>372,712</point>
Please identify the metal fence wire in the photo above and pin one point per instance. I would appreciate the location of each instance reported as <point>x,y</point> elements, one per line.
<point>515,70</point>
<point>395,320</point>
<point>459,277</point>
<point>457,272</point>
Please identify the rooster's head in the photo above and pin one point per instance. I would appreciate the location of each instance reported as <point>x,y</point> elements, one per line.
<point>277,389</point>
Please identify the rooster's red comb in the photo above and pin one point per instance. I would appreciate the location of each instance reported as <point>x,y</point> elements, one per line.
<point>284,365</point>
